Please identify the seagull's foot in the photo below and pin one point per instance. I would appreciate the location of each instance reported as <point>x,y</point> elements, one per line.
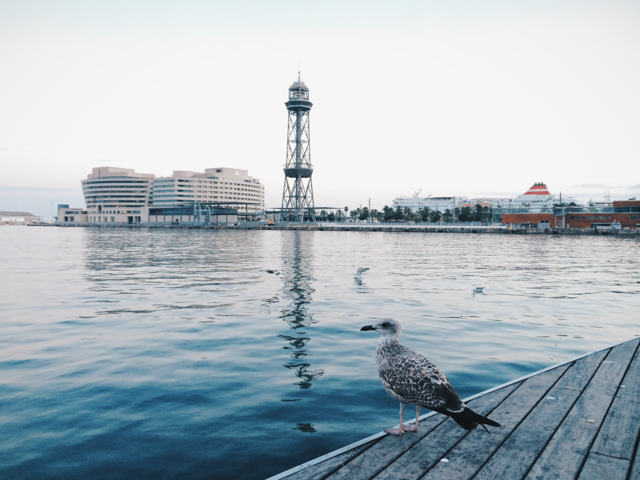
<point>395,431</point>
<point>410,428</point>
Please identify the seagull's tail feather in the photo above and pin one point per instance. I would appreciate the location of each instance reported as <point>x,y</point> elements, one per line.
<point>468,419</point>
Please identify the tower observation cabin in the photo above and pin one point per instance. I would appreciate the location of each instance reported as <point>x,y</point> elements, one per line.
<point>297,195</point>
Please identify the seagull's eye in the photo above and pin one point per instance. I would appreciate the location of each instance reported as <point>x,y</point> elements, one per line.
<point>386,325</point>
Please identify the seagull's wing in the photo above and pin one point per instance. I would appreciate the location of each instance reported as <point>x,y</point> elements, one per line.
<point>418,381</point>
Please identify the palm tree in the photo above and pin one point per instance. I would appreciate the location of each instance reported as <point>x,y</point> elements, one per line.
<point>435,216</point>
<point>465,214</point>
<point>486,214</point>
<point>388,213</point>
<point>424,214</point>
<point>477,215</point>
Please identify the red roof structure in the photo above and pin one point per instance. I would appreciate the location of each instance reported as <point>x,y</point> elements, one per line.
<point>538,188</point>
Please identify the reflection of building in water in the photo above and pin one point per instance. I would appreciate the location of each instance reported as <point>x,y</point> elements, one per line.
<point>298,275</point>
<point>297,344</point>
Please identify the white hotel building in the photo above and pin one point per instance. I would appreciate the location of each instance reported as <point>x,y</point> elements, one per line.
<point>117,195</point>
<point>121,195</point>
<point>216,185</point>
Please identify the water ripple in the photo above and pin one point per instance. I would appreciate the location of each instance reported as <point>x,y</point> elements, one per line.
<point>164,353</point>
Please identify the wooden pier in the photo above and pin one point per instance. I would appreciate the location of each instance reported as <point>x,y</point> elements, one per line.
<point>576,420</point>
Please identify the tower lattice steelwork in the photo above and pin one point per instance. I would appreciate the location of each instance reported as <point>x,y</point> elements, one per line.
<point>297,195</point>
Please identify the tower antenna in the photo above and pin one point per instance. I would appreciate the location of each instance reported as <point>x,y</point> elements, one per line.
<point>297,194</point>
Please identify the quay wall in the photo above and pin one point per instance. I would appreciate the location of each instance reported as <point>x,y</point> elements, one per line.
<point>488,229</point>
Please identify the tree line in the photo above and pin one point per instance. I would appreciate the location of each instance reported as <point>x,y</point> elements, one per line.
<point>478,213</point>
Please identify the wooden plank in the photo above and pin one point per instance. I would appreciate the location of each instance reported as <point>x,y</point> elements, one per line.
<point>386,451</point>
<point>466,458</point>
<point>568,448</point>
<point>326,468</point>
<point>600,467</point>
<point>529,438</point>
<point>635,466</point>
<point>617,437</point>
<point>416,461</point>
<point>516,455</point>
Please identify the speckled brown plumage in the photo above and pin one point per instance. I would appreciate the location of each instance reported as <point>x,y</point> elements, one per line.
<point>412,379</point>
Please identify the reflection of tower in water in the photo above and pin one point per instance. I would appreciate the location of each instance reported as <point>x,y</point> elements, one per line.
<point>297,275</point>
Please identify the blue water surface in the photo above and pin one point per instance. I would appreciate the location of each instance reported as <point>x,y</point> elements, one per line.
<point>172,354</point>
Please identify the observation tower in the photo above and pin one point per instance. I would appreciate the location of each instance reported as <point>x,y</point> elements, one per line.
<point>297,195</point>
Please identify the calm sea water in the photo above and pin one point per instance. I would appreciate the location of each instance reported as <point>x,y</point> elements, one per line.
<point>173,354</point>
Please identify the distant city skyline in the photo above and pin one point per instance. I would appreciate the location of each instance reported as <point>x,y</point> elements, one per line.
<point>457,99</point>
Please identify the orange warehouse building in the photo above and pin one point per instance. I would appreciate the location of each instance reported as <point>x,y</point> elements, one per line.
<point>627,213</point>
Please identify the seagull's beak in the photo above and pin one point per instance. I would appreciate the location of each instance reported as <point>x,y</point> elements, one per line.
<point>367,327</point>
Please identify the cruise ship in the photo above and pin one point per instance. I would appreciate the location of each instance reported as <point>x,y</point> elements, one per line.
<point>539,197</point>
<point>441,204</point>
<point>535,200</point>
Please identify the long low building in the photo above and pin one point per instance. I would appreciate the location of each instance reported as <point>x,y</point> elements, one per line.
<point>71,215</point>
<point>197,214</point>
<point>17,218</point>
<point>623,214</point>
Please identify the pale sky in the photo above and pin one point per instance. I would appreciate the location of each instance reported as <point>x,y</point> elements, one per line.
<point>456,98</point>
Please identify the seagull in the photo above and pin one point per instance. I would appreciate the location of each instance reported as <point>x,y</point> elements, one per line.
<point>273,271</point>
<point>413,380</point>
<point>361,270</point>
<point>357,280</point>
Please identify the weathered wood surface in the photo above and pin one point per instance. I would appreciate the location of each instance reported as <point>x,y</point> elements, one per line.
<point>385,452</point>
<point>467,457</point>
<point>426,453</point>
<point>566,451</point>
<point>326,468</point>
<point>577,420</point>
<point>520,450</point>
<point>618,434</point>
<point>603,467</point>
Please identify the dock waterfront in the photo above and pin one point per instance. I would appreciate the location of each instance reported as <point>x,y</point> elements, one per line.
<point>575,420</point>
<point>365,227</point>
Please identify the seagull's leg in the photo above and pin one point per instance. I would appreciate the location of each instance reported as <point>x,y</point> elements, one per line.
<point>414,427</point>
<point>397,431</point>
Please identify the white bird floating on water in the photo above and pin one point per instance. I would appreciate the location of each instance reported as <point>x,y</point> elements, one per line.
<point>273,271</point>
<point>413,380</point>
